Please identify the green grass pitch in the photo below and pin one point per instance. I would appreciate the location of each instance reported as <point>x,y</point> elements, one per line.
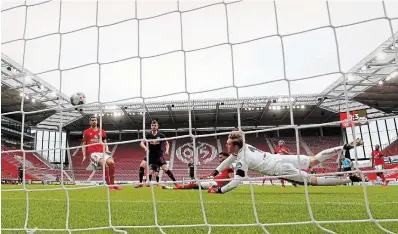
<point>134,207</point>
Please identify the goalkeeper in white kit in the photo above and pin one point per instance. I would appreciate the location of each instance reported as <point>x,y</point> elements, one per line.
<point>251,158</point>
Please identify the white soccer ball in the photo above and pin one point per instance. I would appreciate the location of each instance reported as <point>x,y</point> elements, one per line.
<point>78,99</point>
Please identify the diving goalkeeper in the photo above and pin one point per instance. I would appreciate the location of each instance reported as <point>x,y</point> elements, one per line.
<point>227,173</point>
<point>251,158</point>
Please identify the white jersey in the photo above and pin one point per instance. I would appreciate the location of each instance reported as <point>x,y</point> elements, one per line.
<point>251,158</point>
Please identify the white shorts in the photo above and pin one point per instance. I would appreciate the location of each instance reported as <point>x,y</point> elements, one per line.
<point>95,157</point>
<point>273,162</point>
<point>290,169</point>
<point>379,167</point>
<point>208,184</point>
<point>301,162</point>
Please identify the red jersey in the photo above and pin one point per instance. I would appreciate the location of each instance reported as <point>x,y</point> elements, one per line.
<point>377,157</point>
<point>281,149</point>
<point>223,175</point>
<point>92,136</point>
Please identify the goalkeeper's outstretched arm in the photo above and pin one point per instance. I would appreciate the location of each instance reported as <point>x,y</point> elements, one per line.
<point>239,175</point>
<point>241,171</point>
<point>224,164</point>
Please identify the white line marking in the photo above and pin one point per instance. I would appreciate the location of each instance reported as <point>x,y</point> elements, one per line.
<point>193,202</point>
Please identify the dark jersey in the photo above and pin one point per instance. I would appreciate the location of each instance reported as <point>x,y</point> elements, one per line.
<point>155,147</point>
<point>191,170</point>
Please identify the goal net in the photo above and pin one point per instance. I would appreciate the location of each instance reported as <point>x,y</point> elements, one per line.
<point>275,70</point>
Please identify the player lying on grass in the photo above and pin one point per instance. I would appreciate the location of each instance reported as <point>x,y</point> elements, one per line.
<point>251,158</point>
<point>225,174</point>
<point>98,157</point>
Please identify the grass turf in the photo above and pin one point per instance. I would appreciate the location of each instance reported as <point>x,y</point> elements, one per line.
<point>134,207</point>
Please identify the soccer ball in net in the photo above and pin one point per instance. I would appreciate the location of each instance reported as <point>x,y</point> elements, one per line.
<point>78,99</point>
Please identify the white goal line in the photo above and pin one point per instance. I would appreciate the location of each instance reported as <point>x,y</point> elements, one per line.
<point>207,225</point>
<point>205,201</point>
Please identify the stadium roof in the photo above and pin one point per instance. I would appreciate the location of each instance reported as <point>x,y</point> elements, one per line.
<point>372,84</point>
<point>363,89</point>
<point>38,94</point>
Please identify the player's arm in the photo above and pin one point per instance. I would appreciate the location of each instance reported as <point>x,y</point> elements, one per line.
<point>143,144</point>
<point>224,164</point>
<point>106,145</point>
<point>167,145</point>
<point>241,171</point>
<point>84,146</point>
<point>105,140</point>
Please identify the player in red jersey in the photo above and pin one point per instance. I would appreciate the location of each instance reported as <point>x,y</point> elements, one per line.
<point>378,163</point>
<point>225,174</point>
<point>96,153</point>
<point>281,149</point>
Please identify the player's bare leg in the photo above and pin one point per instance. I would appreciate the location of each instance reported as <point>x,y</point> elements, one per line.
<point>112,173</point>
<point>141,173</point>
<point>270,180</point>
<point>157,178</point>
<point>383,178</point>
<point>149,180</point>
<point>102,163</point>
<point>170,174</point>
<point>109,172</point>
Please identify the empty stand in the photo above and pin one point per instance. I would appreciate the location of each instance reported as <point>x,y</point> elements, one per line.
<point>207,152</point>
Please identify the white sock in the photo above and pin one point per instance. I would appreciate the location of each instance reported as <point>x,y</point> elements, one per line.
<point>328,153</point>
<point>331,180</point>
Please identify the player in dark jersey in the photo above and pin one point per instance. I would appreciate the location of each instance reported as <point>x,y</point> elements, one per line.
<point>156,159</point>
<point>191,170</point>
<point>225,174</point>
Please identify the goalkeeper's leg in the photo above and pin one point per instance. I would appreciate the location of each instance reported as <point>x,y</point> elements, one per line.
<point>302,176</point>
<point>305,162</point>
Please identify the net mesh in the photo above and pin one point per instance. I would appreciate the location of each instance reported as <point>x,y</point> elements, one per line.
<point>183,48</point>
